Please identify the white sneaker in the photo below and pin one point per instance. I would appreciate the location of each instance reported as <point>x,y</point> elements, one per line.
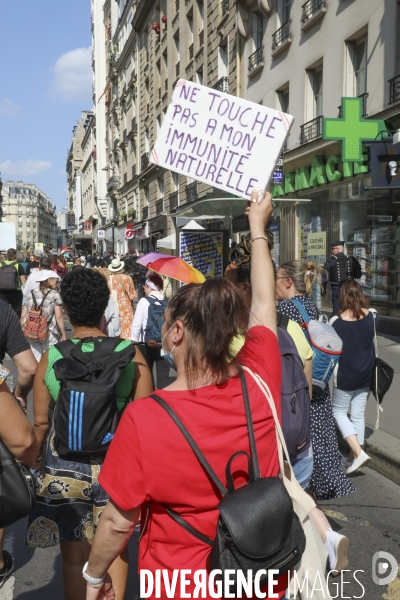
<point>337,546</point>
<point>358,462</point>
<point>345,462</point>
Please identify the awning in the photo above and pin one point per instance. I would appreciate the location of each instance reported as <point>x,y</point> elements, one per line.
<point>168,242</point>
<point>215,208</point>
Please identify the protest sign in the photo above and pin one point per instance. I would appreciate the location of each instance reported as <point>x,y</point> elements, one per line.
<point>203,251</point>
<point>7,236</point>
<point>224,141</point>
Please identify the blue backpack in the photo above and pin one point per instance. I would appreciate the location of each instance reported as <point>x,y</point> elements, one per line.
<point>155,321</point>
<point>326,344</point>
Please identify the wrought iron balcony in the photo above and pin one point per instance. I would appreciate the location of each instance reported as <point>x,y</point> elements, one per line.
<point>312,130</point>
<point>224,7</point>
<point>145,160</point>
<point>145,213</point>
<point>191,191</point>
<point>173,200</point>
<point>281,37</point>
<point>222,85</point>
<point>311,9</point>
<point>256,59</point>
<point>159,206</point>
<point>394,89</point>
<point>201,38</point>
<point>177,68</point>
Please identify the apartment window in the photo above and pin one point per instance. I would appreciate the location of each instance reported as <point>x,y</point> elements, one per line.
<point>199,76</point>
<point>160,183</point>
<point>314,94</point>
<point>146,141</point>
<point>158,121</point>
<point>222,61</point>
<point>19,200</point>
<point>284,10</point>
<point>258,29</point>
<point>356,83</point>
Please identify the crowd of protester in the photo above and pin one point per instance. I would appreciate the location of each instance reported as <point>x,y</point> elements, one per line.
<point>194,349</point>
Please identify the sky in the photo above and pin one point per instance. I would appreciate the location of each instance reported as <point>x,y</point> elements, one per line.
<point>45,83</point>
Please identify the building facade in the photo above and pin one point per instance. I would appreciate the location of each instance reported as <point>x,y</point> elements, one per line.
<point>302,58</point>
<point>32,212</point>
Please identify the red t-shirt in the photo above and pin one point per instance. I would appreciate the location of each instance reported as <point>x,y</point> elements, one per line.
<point>150,460</point>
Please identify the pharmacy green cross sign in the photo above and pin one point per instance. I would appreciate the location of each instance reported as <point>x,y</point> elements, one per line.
<point>351,128</point>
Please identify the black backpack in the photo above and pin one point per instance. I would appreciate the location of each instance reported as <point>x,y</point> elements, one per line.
<point>257,526</point>
<point>295,395</point>
<point>86,415</point>
<point>343,269</point>
<point>8,276</point>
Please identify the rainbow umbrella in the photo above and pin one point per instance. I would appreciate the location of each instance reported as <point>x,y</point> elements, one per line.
<point>172,266</point>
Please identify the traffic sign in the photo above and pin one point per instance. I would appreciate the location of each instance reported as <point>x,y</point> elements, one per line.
<point>101,234</point>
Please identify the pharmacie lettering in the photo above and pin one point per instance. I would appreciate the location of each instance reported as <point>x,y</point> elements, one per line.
<point>319,173</point>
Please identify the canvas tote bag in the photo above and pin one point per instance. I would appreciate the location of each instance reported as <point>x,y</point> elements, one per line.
<point>311,570</point>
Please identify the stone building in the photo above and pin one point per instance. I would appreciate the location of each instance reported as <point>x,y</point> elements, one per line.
<point>32,212</point>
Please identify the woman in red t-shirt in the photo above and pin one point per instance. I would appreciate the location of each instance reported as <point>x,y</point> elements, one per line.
<point>151,464</point>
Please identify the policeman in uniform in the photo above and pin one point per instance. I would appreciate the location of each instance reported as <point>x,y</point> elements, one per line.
<point>339,268</point>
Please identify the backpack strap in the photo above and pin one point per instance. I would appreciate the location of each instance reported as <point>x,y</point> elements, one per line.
<point>301,308</point>
<point>200,456</point>
<point>282,320</point>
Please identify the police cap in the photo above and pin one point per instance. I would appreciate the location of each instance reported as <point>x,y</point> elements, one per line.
<point>339,243</point>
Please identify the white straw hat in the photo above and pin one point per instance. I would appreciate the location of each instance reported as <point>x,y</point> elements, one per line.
<point>116,265</point>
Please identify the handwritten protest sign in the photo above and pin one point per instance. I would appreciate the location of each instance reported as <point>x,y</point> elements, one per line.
<point>222,140</point>
<point>203,251</point>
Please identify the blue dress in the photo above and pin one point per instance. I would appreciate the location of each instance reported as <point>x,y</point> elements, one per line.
<point>327,480</point>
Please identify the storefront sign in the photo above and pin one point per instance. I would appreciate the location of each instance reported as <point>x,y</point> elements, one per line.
<point>222,140</point>
<point>316,244</point>
<point>319,173</point>
<point>203,251</point>
<point>385,165</point>
<point>101,234</point>
<point>277,177</point>
<point>129,234</point>
<point>352,129</point>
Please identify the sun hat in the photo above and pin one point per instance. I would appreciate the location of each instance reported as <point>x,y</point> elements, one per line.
<point>46,274</point>
<point>38,252</point>
<point>116,265</point>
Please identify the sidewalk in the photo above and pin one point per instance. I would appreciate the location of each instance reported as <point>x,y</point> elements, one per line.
<point>383,444</point>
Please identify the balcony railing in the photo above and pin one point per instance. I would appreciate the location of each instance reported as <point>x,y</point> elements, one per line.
<point>191,191</point>
<point>159,206</point>
<point>256,58</point>
<point>394,89</point>
<point>311,8</point>
<point>145,213</point>
<point>191,51</point>
<point>222,85</point>
<point>364,106</point>
<point>177,68</point>
<point>201,38</point>
<point>173,200</point>
<point>311,130</point>
<point>281,35</point>
<point>224,7</point>
<point>145,160</point>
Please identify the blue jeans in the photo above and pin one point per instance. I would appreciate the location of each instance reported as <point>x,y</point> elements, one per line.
<point>357,400</point>
<point>302,469</point>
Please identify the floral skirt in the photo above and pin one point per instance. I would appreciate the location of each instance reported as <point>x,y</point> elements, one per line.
<point>69,501</point>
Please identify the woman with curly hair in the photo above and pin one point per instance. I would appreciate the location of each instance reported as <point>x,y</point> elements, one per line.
<point>69,497</point>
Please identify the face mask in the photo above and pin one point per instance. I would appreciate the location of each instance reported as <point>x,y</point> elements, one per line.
<point>168,356</point>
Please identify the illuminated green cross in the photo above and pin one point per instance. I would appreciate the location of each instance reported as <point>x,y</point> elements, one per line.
<point>352,129</point>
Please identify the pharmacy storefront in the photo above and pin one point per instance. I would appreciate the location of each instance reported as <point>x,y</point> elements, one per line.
<point>325,200</point>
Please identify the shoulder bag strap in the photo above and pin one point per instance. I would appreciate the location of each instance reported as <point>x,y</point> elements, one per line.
<point>379,408</point>
<point>44,298</point>
<point>250,426</point>
<point>34,301</point>
<point>200,456</point>
<point>300,307</point>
